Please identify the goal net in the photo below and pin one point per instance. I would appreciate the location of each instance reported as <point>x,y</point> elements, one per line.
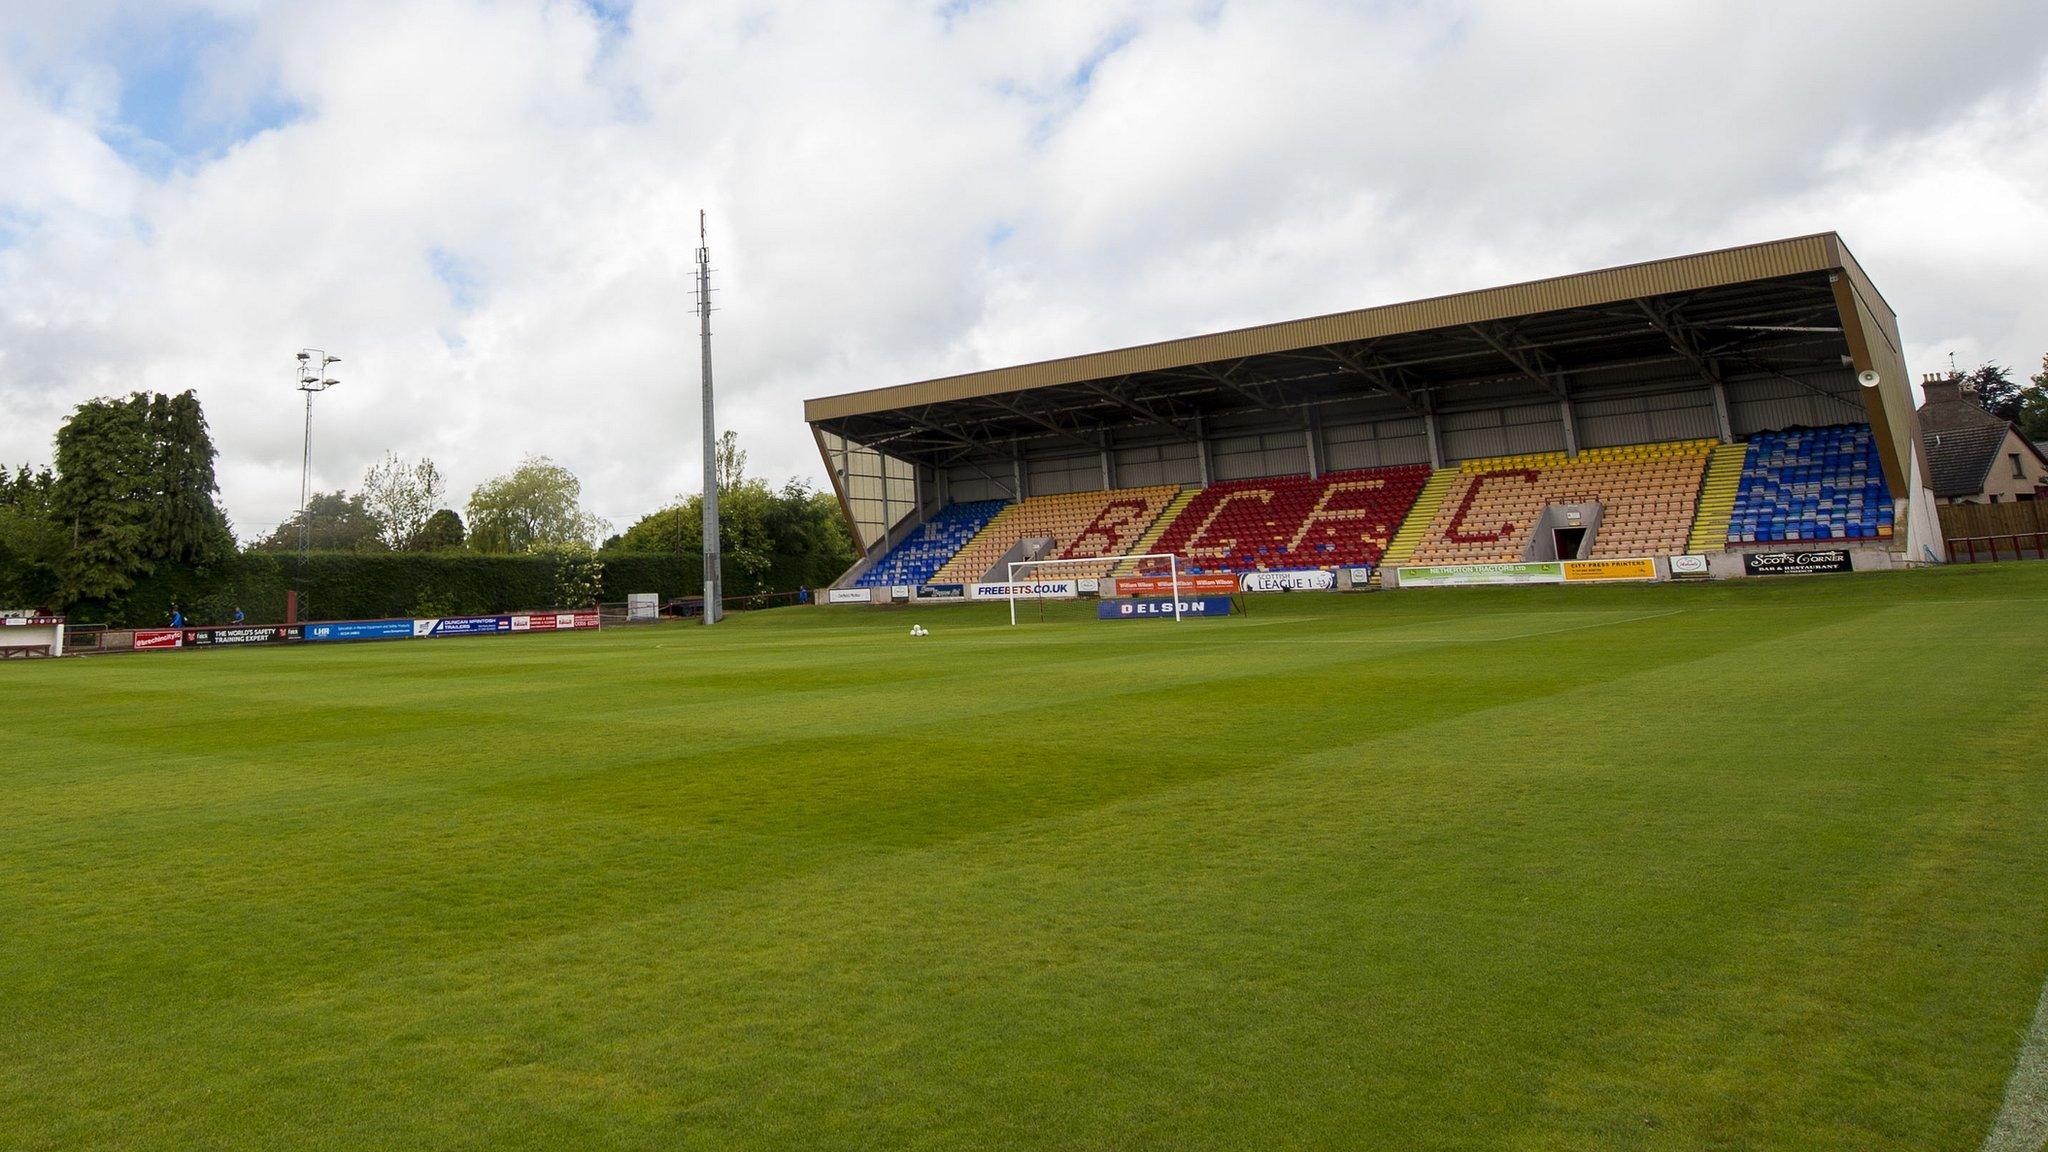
<point>1042,580</point>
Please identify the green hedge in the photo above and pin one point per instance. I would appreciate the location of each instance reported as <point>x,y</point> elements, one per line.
<point>360,585</point>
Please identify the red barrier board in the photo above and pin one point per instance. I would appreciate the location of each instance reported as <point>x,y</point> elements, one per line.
<point>553,621</point>
<point>160,638</point>
<point>1208,583</point>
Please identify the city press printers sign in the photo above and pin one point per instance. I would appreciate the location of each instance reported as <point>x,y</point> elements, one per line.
<point>849,596</point>
<point>1025,590</point>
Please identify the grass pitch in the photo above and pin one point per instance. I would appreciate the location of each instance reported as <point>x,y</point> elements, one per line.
<point>1748,865</point>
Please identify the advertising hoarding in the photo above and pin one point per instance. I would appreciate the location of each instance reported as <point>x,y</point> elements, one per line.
<point>1206,584</point>
<point>1796,563</point>
<point>1025,590</point>
<point>1456,575</point>
<point>462,626</point>
<point>360,630</point>
<point>1290,580</point>
<point>1631,568</point>
<point>1161,608</point>
<point>226,637</point>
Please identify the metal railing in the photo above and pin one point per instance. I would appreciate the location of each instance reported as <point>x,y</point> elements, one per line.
<point>2008,546</point>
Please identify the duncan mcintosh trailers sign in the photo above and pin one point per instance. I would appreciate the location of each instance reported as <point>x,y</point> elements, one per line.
<point>462,626</point>
<point>942,591</point>
<point>1161,608</point>
<point>1795,563</point>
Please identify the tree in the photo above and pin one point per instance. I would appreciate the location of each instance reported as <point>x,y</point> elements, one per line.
<point>186,526</point>
<point>2033,419</point>
<point>104,497</point>
<point>537,503</point>
<point>579,576</point>
<point>773,539</point>
<point>31,540</point>
<point>401,497</point>
<point>1995,389</point>
<point>331,522</point>
<point>677,529</point>
<point>441,531</point>
<point>731,463</point>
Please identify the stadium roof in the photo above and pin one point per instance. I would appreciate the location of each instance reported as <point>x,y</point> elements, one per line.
<point>1777,309</point>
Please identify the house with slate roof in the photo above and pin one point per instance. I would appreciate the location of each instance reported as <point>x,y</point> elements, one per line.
<point>1973,457</point>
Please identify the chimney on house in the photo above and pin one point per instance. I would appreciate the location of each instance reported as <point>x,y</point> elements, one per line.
<point>1937,387</point>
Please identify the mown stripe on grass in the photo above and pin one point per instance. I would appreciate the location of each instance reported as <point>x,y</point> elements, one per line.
<point>2022,1124</point>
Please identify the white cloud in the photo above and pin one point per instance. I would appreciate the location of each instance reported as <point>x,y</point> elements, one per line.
<point>488,208</point>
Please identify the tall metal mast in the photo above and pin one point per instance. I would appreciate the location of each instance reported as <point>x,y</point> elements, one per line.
<point>712,584</point>
<point>313,378</point>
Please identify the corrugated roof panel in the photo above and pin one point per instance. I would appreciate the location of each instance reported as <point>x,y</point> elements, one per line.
<point>1765,261</point>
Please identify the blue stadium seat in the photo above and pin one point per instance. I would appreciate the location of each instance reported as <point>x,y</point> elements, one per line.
<point>1812,484</point>
<point>926,550</point>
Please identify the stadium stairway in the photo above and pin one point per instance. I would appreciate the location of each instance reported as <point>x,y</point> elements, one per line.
<point>1167,515</point>
<point>1416,526</point>
<point>1717,498</point>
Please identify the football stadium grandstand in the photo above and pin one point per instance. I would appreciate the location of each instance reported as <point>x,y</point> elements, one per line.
<point>1726,402</point>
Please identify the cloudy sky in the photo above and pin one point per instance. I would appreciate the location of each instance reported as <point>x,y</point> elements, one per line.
<point>488,208</point>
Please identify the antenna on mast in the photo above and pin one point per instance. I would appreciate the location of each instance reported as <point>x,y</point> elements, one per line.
<point>713,604</point>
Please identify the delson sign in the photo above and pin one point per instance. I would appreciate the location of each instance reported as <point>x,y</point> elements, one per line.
<point>1191,608</point>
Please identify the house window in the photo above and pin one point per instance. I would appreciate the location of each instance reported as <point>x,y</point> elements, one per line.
<point>2018,472</point>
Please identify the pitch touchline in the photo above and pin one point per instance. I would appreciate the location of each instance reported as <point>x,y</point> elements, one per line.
<point>1226,638</point>
<point>2022,1124</point>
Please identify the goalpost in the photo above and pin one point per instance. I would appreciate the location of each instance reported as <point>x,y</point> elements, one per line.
<point>1172,573</point>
